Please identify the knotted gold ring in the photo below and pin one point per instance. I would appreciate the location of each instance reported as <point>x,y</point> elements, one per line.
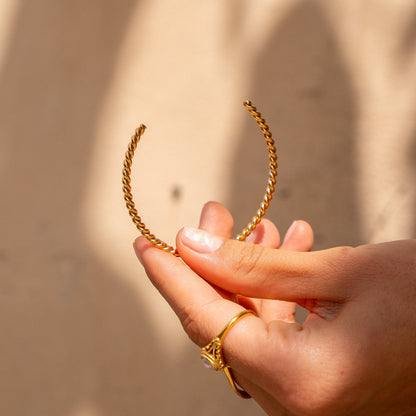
<point>213,357</point>
<point>128,197</point>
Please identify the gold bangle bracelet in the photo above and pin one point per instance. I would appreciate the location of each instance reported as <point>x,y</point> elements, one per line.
<point>128,197</point>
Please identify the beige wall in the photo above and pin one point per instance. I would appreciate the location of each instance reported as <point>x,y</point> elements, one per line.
<point>82,331</point>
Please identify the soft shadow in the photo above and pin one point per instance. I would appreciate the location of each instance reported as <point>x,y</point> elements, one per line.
<point>406,56</point>
<point>72,332</point>
<point>408,43</point>
<point>75,338</point>
<point>302,87</point>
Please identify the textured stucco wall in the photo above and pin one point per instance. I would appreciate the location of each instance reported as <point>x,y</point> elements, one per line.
<point>83,333</point>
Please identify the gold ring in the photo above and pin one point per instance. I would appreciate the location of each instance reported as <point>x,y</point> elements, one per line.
<point>213,357</point>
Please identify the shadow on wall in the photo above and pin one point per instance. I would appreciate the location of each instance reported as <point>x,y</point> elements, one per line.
<point>71,331</point>
<point>407,53</point>
<point>75,340</point>
<point>301,86</point>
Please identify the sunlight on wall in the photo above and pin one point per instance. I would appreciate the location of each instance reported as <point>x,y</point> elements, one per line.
<point>83,324</point>
<point>8,12</point>
<point>191,112</point>
<point>385,84</point>
<point>85,409</point>
<point>383,74</point>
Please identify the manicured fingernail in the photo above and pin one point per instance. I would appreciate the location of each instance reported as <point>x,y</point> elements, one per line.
<point>200,240</point>
<point>290,231</point>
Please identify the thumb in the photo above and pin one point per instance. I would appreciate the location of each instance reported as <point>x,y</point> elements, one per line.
<point>257,271</point>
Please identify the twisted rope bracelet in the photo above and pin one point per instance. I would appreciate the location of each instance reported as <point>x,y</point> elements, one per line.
<point>128,197</point>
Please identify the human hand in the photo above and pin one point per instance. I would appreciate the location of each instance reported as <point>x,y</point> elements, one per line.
<point>356,352</point>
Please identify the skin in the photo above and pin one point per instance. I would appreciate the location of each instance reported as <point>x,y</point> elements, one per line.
<point>356,352</point>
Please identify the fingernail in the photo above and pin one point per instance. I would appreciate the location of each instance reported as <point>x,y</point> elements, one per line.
<point>200,240</point>
<point>290,231</point>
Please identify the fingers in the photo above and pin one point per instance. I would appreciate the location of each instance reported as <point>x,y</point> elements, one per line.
<point>204,313</point>
<point>216,219</point>
<point>256,271</point>
<point>265,234</point>
<point>299,237</point>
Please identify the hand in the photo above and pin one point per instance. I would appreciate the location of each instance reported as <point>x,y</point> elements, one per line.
<point>356,352</point>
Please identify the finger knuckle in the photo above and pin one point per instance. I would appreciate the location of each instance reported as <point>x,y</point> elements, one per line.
<point>195,323</point>
<point>192,326</point>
